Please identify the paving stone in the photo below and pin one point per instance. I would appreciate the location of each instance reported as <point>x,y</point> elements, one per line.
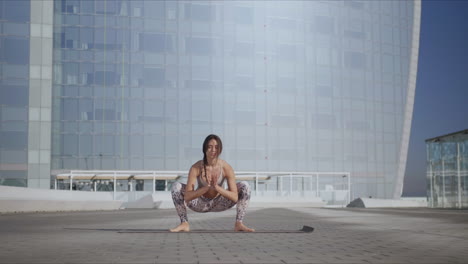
<point>340,236</point>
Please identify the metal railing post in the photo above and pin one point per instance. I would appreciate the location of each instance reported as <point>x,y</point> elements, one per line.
<point>431,184</point>
<point>154,182</point>
<point>71,180</point>
<point>115,185</point>
<point>277,184</point>
<point>349,188</point>
<point>458,175</point>
<point>303,185</point>
<point>290,184</point>
<point>311,179</point>
<point>443,183</point>
<point>317,184</point>
<point>281,185</point>
<point>256,184</point>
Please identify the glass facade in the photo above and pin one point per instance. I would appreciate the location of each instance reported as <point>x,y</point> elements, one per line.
<point>14,91</point>
<point>288,86</point>
<point>447,170</point>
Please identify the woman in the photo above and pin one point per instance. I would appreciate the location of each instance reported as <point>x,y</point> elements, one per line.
<point>210,195</point>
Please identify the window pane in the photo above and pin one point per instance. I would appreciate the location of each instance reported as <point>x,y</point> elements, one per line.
<point>199,12</point>
<point>324,25</point>
<point>13,156</point>
<point>86,145</point>
<point>155,42</point>
<point>14,113</point>
<point>14,50</point>
<point>200,46</point>
<point>153,77</point>
<point>14,139</point>
<point>14,95</point>
<point>154,9</point>
<point>356,60</point>
<point>18,11</point>
<point>70,145</point>
<point>13,178</point>
<point>243,15</point>
<point>16,29</point>
<point>70,109</point>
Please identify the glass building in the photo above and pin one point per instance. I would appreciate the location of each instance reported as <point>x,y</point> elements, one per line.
<point>25,92</point>
<point>137,85</point>
<point>447,170</point>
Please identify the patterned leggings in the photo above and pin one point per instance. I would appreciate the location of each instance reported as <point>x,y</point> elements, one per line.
<point>203,204</point>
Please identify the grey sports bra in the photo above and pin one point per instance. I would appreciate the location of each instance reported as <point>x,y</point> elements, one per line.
<point>201,182</point>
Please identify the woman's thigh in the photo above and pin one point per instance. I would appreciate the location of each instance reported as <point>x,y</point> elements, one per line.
<point>221,204</point>
<point>200,205</point>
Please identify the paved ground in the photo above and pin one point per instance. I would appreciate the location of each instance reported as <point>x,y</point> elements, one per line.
<point>340,236</point>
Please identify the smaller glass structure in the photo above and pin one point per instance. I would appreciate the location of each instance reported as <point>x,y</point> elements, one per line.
<point>447,170</point>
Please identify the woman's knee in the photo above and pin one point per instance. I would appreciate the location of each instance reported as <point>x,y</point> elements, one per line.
<point>177,187</point>
<point>243,187</point>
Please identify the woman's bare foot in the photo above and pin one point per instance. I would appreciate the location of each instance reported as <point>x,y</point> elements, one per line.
<point>183,227</point>
<point>241,227</point>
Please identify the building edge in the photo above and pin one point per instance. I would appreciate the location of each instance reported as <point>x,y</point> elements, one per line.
<point>40,94</point>
<point>408,115</point>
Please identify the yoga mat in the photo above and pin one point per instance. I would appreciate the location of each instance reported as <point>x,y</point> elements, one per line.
<point>304,229</point>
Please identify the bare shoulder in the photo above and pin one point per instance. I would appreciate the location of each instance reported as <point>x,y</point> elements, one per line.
<point>197,166</point>
<point>226,167</point>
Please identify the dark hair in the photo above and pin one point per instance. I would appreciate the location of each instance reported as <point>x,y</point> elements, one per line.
<point>205,146</point>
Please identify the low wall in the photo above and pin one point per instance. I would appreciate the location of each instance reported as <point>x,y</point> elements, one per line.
<point>163,200</point>
<point>387,203</point>
<point>18,199</point>
<point>285,201</point>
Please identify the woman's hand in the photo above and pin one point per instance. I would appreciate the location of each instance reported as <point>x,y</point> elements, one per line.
<point>230,192</point>
<point>214,180</point>
<point>190,192</point>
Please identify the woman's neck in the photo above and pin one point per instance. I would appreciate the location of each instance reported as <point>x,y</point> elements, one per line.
<point>212,162</point>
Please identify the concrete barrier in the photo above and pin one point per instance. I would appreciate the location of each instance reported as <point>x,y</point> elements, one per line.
<point>268,202</point>
<point>386,203</point>
<point>163,200</point>
<point>149,201</point>
<point>18,199</point>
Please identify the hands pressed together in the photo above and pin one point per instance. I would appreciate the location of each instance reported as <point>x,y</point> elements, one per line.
<point>213,181</point>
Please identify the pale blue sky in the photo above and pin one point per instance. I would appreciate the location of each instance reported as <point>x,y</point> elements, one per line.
<point>441,102</point>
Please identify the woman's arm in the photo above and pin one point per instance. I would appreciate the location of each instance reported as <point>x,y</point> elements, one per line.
<point>231,192</point>
<point>190,192</point>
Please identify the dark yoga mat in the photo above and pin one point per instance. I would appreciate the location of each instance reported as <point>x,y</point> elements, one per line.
<point>305,229</point>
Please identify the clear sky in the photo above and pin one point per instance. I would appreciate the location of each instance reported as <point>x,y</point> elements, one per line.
<point>441,102</point>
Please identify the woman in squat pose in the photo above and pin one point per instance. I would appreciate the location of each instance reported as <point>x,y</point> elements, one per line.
<point>210,195</point>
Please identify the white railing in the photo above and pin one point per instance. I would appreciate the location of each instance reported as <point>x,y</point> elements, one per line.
<point>331,187</point>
